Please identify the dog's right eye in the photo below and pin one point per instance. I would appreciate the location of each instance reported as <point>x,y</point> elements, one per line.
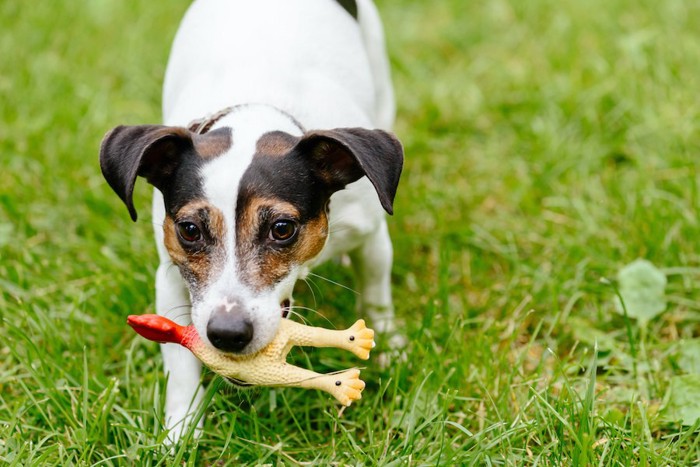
<point>189,232</point>
<point>283,231</point>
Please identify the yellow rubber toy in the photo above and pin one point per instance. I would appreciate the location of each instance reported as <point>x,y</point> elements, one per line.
<point>268,367</point>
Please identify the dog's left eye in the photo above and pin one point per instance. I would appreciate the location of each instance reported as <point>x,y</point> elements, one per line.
<point>189,232</point>
<point>283,231</point>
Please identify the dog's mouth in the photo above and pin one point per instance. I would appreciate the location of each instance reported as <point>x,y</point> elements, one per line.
<point>239,383</point>
<point>285,306</point>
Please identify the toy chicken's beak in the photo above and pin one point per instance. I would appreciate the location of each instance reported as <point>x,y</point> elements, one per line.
<point>156,328</point>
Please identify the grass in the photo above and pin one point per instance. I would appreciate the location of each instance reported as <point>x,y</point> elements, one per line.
<point>548,144</point>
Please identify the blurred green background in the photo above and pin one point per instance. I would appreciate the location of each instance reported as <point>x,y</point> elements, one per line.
<point>548,144</point>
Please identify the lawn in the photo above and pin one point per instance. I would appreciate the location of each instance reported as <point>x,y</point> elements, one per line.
<point>548,145</point>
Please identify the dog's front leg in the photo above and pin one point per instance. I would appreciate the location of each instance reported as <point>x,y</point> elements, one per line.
<point>182,369</point>
<point>372,263</point>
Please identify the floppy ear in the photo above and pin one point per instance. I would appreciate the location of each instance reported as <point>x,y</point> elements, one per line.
<point>344,155</point>
<point>150,151</point>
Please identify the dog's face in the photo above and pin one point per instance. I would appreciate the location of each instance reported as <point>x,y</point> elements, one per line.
<point>246,207</point>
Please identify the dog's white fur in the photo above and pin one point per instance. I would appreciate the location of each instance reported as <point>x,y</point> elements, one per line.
<point>313,60</point>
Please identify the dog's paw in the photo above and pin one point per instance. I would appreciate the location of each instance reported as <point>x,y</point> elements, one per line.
<point>346,386</point>
<point>360,339</point>
<point>392,349</point>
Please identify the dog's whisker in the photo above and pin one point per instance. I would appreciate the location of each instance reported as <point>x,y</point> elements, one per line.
<point>312,310</point>
<point>333,231</point>
<point>301,317</point>
<point>337,220</point>
<point>335,283</point>
<point>309,283</point>
<point>316,312</point>
<point>173,313</point>
<point>332,225</point>
<point>175,316</point>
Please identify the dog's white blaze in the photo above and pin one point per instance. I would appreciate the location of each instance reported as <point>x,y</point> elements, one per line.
<point>221,178</point>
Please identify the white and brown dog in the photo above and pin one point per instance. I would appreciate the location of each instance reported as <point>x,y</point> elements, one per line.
<point>289,167</point>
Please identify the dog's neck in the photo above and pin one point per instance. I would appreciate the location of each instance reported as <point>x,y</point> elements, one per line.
<point>203,125</point>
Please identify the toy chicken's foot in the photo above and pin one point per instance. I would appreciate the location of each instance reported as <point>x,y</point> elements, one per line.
<point>346,386</point>
<point>358,339</point>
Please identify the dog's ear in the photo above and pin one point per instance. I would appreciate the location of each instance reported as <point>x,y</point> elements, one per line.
<point>150,151</point>
<point>344,155</point>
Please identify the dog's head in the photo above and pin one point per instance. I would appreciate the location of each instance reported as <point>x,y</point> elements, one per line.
<point>246,207</point>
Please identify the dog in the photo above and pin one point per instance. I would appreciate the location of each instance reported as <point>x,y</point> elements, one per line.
<point>275,155</point>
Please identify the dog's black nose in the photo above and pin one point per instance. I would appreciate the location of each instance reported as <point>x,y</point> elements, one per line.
<point>229,331</point>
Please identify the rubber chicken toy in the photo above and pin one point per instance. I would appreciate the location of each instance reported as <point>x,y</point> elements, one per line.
<point>268,367</point>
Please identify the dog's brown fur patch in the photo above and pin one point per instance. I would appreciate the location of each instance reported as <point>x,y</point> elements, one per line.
<point>197,264</point>
<point>262,263</point>
<point>172,244</point>
<point>312,239</point>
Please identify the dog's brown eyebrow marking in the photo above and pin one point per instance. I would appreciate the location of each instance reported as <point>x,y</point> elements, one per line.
<point>261,264</point>
<point>273,265</point>
<point>212,217</point>
<point>249,221</point>
<point>198,267</point>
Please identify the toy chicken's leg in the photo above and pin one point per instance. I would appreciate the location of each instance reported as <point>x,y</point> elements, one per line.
<point>358,339</point>
<point>346,386</point>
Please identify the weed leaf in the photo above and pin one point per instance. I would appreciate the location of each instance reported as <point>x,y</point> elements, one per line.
<point>689,355</point>
<point>682,401</point>
<point>642,288</point>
